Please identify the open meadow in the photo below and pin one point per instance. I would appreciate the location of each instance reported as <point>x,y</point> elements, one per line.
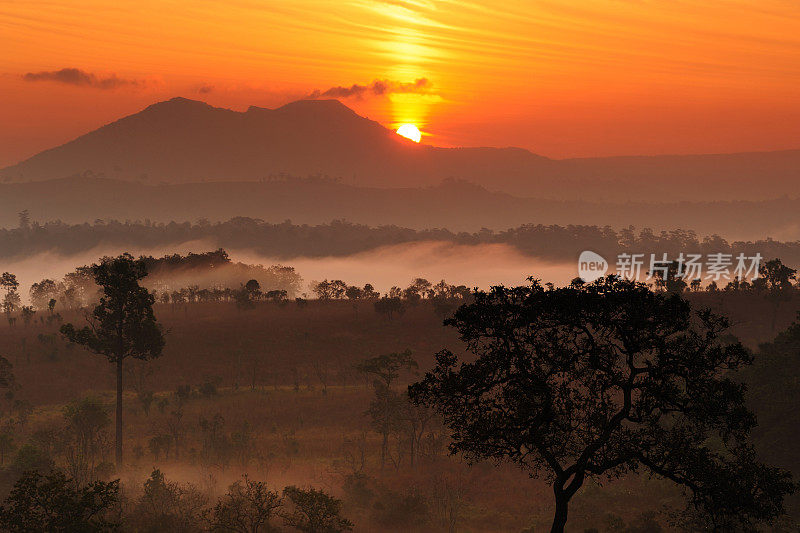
<point>275,392</point>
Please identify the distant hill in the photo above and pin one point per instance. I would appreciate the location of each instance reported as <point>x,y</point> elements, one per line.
<point>183,141</point>
<point>456,205</point>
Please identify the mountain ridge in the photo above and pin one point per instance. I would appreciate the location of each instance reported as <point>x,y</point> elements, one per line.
<point>455,205</point>
<point>183,140</point>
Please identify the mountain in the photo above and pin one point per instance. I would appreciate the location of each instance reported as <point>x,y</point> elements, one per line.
<point>456,205</point>
<point>183,141</point>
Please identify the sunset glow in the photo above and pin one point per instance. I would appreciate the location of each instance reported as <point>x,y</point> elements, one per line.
<point>423,265</point>
<point>578,78</point>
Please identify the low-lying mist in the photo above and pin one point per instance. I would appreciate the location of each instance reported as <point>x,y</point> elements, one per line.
<point>479,265</point>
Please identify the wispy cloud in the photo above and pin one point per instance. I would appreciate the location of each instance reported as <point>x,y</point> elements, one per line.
<point>376,88</point>
<point>81,78</point>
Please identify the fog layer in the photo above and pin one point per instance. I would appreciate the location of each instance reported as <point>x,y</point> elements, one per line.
<point>472,265</point>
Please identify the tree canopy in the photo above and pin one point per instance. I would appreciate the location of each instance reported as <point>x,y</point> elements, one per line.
<point>123,324</point>
<point>601,379</point>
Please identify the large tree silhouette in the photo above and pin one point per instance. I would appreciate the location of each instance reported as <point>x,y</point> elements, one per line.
<point>600,379</point>
<point>122,325</point>
<point>385,407</point>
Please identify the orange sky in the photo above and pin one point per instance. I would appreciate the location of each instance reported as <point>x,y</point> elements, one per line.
<point>561,78</point>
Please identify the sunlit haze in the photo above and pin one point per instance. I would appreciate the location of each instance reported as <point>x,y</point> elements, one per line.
<point>400,266</point>
<point>578,78</point>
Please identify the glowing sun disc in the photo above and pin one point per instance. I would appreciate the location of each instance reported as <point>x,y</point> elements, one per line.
<point>409,131</point>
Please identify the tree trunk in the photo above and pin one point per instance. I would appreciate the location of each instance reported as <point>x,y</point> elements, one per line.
<point>560,519</point>
<point>118,442</point>
<point>411,455</point>
<point>384,445</point>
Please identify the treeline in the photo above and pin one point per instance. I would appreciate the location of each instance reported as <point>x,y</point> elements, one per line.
<point>341,238</point>
<point>168,275</point>
<point>280,284</point>
<point>214,278</point>
<point>216,270</point>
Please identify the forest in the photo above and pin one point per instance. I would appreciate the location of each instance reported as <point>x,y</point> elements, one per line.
<point>255,409</point>
<point>341,238</point>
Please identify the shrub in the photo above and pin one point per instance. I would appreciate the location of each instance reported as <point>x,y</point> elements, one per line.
<point>247,507</point>
<point>169,506</point>
<point>314,511</point>
<point>53,503</point>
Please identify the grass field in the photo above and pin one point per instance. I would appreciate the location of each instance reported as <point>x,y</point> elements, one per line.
<point>273,392</point>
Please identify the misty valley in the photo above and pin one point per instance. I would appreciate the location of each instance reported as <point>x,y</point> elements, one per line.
<point>388,266</point>
<point>267,399</point>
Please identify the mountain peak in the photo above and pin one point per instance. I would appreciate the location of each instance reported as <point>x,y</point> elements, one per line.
<point>179,102</point>
<point>185,140</point>
<point>318,107</point>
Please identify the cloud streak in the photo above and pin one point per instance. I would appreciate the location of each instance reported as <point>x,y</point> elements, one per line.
<point>376,88</point>
<point>80,78</point>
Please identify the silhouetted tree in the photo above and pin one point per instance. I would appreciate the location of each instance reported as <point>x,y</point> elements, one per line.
<point>329,290</point>
<point>122,325</point>
<point>419,288</point>
<point>53,503</point>
<point>86,420</point>
<point>777,279</point>
<point>41,293</point>
<point>776,276</point>
<point>353,293</point>
<point>276,295</point>
<point>248,507</point>
<point>369,292</point>
<point>253,287</point>
<point>387,367</point>
<point>11,300</point>
<point>384,413</point>
<point>246,298</point>
<point>314,511</point>
<point>389,306</point>
<point>603,379</point>
<point>9,282</point>
<point>668,277</point>
<point>169,506</point>
<point>384,409</point>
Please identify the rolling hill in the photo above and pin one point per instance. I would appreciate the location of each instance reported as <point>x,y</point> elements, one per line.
<point>456,205</point>
<point>187,141</point>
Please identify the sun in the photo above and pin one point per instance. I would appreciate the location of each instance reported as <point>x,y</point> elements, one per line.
<point>409,131</point>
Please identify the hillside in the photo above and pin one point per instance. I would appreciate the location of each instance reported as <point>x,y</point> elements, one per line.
<point>183,141</point>
<point>456,205</point>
